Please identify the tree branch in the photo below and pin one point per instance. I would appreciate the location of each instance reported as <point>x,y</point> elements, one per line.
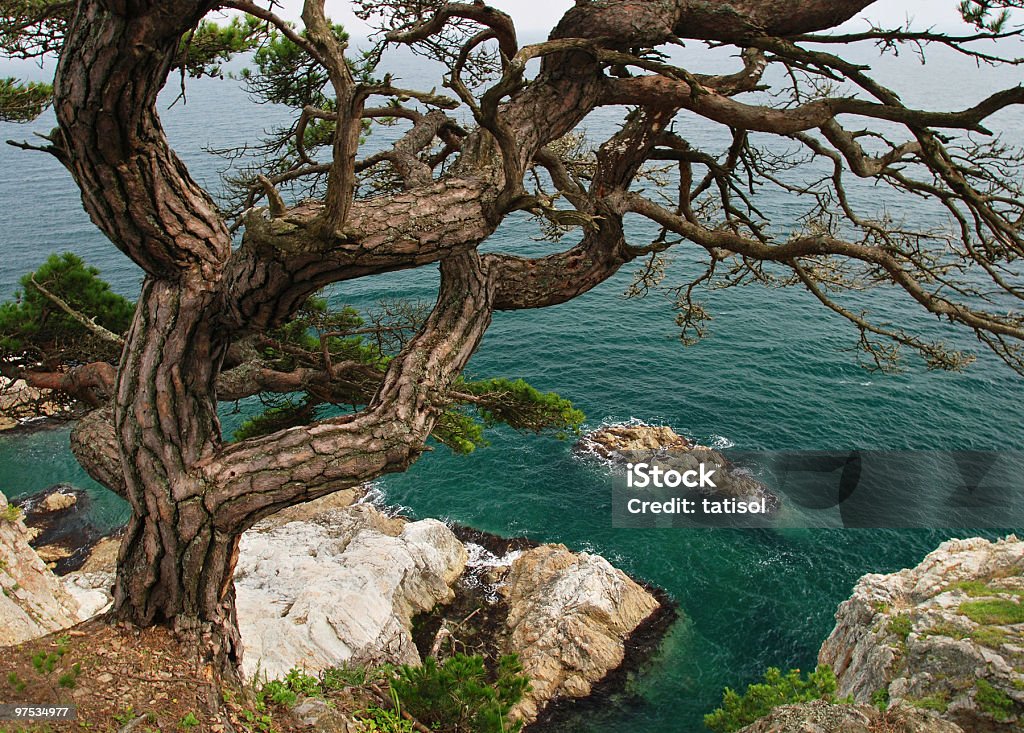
<point>249,480</point>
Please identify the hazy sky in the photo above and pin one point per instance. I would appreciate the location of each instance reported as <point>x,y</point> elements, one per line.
<point>538,16</point>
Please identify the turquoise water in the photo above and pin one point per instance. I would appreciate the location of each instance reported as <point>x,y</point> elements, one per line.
<point>773,375</point>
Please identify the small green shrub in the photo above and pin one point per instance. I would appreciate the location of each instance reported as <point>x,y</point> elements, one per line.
<point>303,684</point>
<point>338,678</point>
<point>993,701</point>
<point>900,626</point>
<point>258,722</point>
<point>880,698</point>
<point>45,662</point>
<point>378,720</point>
<point>460,695</point>
<point>285,692</point>
<point>776,688</point>
<point>277,693</point>
<point>189,722</point>
<point>11,514</point>
<point>16,683</point>
<point>70,678</point>
<point>126,715</point>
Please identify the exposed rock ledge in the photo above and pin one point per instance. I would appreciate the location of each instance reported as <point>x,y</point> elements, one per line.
<point>33,602</point>
<point>325,584</point>
<point>947,635</point>
<point>823,717</point>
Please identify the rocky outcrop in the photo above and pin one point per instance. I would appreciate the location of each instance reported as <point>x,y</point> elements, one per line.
<point>328,584</point>
<point>947,635</point>
<point>661,447</point>
<point>32,602</point>
<point>19,401</point>
<point>342,587</point>
<point>824,717</point>
<point>569,616</point>
<point>609,441</point>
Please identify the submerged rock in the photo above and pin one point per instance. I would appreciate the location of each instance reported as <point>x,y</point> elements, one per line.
<point>61,527</point>
<point>663,448</point>
<point>947,635</point>
<point>32,602</point>
<point>823,717</point>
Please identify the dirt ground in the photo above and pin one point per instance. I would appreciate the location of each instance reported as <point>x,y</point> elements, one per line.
<point>122,679</point>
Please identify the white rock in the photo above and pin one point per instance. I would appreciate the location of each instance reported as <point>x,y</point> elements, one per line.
<point>32,601</point>
<point>92,591</point>
<point>339,589</point>
<point>906,633</point>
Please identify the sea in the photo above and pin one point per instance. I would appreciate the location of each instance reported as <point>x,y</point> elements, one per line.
<point>776,372</point>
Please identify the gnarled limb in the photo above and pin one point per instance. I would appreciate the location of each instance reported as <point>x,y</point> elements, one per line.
<point>257,477</point>
<point>94,443</point>
<point>114,62</point>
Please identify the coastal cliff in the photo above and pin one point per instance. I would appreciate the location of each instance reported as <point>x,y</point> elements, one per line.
<point>947,635</point>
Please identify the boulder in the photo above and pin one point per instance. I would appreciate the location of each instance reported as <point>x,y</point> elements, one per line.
<point>947,635</point>
<point>614,439</point>
<point>58,501</point>
<point>32,602</point>
<point>663,448</point>
<point>569,616</point>
<point>823,717</point>
<point>342,587</point>
<point>93,591</point>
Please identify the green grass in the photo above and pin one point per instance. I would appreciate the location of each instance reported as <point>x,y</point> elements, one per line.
<point>988,636</point>
<point>937,702</point>
<point>993,701</point>
<point>996,611</point>
<point>980,589</point>
<point>945,628</point>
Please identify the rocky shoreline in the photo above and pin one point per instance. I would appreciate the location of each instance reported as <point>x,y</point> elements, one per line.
<point>338,581</point>
<point>24,407</point>
<point>937,648</point>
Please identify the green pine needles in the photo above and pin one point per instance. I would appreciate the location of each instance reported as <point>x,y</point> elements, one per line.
<point>775,689</point>
<point>460,696</point>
